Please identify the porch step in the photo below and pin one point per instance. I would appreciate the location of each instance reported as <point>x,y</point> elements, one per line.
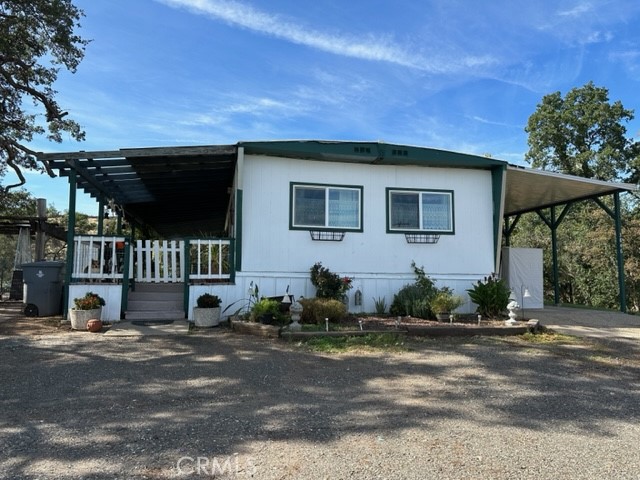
<point>156,301</point>
<point>155,315</point>
<point>159,287</point>
<point>154,304</point>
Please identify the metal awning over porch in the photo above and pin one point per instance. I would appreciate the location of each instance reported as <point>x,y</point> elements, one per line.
<point>177,191</point>
<point>528,190</point>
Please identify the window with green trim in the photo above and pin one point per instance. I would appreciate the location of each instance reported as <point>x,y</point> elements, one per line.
<point>326,207</point>
<point>420,211</point>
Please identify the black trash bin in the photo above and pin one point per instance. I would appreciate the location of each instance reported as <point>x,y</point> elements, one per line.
<point>42,288</point>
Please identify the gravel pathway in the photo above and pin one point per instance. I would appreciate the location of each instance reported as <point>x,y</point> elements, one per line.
<point>85,406</point>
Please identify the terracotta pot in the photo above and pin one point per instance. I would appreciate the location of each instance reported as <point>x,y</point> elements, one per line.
<point>94,325</point>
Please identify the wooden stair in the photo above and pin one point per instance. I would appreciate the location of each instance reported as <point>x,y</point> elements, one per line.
<point>156,301</point>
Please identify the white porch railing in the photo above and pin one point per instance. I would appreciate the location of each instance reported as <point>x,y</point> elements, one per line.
<point>159,261</point>
<point>98,258</point>
<point>210,259</point>
<point>153,261</point>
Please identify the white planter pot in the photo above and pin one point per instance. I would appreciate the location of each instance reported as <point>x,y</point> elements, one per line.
<point>206,317</point>
<point>79,318</point>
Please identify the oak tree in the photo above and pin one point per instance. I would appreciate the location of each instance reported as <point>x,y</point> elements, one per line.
<point>581,134</point>
<point>37,40</point>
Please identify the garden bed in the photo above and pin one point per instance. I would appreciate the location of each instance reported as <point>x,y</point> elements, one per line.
<point>414,327</point>
<point>255,328</point>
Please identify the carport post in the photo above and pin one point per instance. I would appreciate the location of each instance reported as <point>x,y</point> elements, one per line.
<point>553,224</point>
<point>554,256</point>
<point>619,255</point>
<point>509,228</point>
<point>617,220</point>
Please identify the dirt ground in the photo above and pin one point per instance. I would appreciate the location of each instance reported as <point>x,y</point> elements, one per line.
<point>13,322</point>
<point>88,406</point>
<point>220,405</point>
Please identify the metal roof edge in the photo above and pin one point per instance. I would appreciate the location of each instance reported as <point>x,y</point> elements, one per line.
<point>373,152</point>
<point>138,152</point>
<point>615,185</point>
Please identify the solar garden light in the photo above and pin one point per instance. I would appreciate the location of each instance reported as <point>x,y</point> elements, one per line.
<point>286,298</point>
<point>524,293</point>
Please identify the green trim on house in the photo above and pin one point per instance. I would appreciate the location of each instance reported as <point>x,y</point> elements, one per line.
<point>369,153</point>
<point>71,228</point>
<point>238,236</point>
<point>232,256</point>
<point>124,299</point>
<point>185,276</point>
<point>292,185</point>
<point>388,190</point>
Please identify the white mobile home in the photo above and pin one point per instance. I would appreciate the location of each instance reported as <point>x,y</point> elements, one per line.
<point>220,218</point>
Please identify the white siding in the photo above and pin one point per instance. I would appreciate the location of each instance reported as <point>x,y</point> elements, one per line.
<point>380,263</point>
<point>269,245</point>
<point>112,295</point>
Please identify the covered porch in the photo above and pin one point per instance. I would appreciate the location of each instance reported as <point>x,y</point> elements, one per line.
<point>175,223</point>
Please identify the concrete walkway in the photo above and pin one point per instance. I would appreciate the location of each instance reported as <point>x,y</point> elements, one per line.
<point>128,329</point>
<point>583,322</point>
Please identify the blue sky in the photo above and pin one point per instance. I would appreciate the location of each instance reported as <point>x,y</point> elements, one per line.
<point>459,75</point>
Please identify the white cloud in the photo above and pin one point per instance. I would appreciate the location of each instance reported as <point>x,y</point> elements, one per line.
<point>630,59</point>
<point>577,11</point>
<point>486,121</point>
<point>372,47</point>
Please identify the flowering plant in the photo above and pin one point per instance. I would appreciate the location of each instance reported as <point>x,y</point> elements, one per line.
<point>89,302</point>
<point>329,284</point>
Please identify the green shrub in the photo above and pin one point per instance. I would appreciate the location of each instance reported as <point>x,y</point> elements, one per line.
<point>329,284</point>
<point>207,300</point>
<point>265,306</point>
<point>491,295</point>
<point>445,301</point>
<point>414,299</point>
<point>315,310</point>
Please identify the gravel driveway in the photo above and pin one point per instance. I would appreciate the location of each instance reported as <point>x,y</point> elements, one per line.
<point>78,405</point>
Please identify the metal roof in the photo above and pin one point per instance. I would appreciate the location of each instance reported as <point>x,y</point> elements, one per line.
<point>528,190</point>
<point>185,191</point>
<point>373,153</point>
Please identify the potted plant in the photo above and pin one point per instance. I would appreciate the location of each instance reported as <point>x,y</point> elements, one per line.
<point>265,310</point>
<point>207,313</point>
<point>85,308</point>
<point>444,303</point>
